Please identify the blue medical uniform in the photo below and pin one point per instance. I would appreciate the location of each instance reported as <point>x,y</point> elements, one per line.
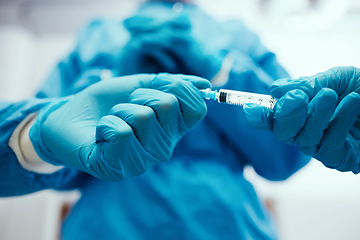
<point>201,192</point>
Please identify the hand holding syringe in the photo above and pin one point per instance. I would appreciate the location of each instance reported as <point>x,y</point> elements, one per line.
<point>238,97</point>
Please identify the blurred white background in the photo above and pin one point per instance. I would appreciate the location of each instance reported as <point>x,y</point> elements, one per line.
<point>308,36</point>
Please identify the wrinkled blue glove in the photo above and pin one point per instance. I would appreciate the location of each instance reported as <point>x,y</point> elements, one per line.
<point>319,114</point>
<point>119,127</point>
<point>160,44</point>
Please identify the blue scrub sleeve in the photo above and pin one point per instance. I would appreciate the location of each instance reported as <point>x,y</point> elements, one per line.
<point>15,180</point>
<point>68,77</point>
<point>97,47</point>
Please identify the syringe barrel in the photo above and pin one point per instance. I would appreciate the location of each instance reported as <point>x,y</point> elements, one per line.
<point>240,98</point>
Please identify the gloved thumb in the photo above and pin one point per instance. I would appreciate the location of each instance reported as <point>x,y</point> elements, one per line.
<point>258,116</point>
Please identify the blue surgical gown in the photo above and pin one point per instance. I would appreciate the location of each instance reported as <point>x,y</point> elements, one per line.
<point>201,192</point>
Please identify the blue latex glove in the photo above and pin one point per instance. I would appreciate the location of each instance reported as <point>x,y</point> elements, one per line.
<point>119,127</point>
<point>319,114</point>
<point>160,44</point>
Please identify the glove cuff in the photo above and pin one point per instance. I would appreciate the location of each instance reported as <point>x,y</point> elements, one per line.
<point>35,132</point>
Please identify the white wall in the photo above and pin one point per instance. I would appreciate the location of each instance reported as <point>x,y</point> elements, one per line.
<point>316,203</point>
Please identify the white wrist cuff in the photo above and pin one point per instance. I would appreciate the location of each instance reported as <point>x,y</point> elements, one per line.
<point>21,144</point>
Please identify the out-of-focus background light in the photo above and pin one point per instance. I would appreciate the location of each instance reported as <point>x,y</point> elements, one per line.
<point>308,36</point>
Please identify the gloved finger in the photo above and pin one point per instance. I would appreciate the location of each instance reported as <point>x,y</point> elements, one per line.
<point>198,82</point>
<point>111,132</point>
<point>149,43</point>
<point>290,113</point>
<point>154,51</point>
<point>116,151</point>
<point>321,108</point>
<point>146,128</point>
<point>343,80</point>
<point>140,24</point>
<point>137,59</point>
<point>165,38</point>
<point>117,90</point>
<point>258,116</point>
<point>112,129</point>
<point>355,129</point>
<point>192,105</point>
<point>187,47</point>
<point>281,86</point>
<point>332,148</point>
<point>180,22</point>
<point>161,58</point>
<point>166,108</point>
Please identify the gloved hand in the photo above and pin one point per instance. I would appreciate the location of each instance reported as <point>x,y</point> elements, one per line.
<point>119,127</point>
<point>319,114</point>
<point>160,44</point>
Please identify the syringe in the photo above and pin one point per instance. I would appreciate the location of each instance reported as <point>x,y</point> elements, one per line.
<point>239,98</point>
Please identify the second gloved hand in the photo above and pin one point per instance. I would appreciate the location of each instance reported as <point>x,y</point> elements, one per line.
<point>119,127</point>
<point>319,114</point>
<point>160,44</point>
